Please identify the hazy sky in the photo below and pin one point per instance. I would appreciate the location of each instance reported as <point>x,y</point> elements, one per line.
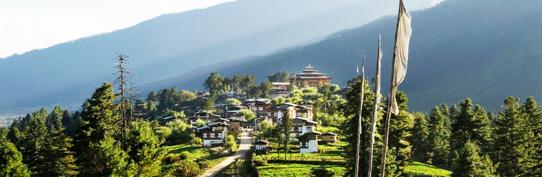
<point>33,24</point>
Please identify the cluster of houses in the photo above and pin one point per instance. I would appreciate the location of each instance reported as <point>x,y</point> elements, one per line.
<point>227,118</point>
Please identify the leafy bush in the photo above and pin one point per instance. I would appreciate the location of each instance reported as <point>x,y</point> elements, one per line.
<point>180,132</point>
<point>321,172</point>
<point>187,168</point>
<point>197,141</point>
<point>231,143</point>
<point>260,162</point>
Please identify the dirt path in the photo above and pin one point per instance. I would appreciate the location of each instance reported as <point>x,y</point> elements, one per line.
<point>244,147</point>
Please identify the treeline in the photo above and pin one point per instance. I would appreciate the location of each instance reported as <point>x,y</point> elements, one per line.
<point>89,142</point>
<point>463,138</point>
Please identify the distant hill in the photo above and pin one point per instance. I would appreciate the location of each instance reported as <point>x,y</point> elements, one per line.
<point>173,44</point>
<point>482,49</point>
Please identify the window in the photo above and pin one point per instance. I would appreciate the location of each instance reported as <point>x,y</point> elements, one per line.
<point>205,135</point>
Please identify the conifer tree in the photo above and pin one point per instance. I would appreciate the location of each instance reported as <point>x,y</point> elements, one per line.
<point>32,143</point>
<point>514,143</point>
<point>471,123</point>
<point>11,161</point>
<point>144,149</point>
<point>470,163</point>
<point>439,138</point>
<point>400,132</point>
<point>420,138</point>
<point>59,159</point>
<point>108,159</point>
<point>534,113</point>
<point>95,154</point>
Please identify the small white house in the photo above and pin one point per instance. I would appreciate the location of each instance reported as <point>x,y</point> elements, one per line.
<point>308,142</point>
<point>214,134</point>
<point>260,145</point>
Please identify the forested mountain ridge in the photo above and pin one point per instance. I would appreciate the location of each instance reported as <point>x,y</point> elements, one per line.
<point>173,44</point>
<point>486,50</point>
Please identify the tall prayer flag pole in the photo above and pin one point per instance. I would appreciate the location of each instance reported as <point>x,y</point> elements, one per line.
<point>399,69</point>
<point>375,107</point>
<point>356,170</point>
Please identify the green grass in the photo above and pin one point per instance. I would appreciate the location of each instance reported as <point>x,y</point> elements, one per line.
<point>425,169</point>
<point>194,152</point>
<point>294,170</point>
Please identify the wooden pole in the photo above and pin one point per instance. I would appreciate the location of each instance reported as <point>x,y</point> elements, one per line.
<point>375,107</point>
<point>391,98</point>
<point>361,94</point>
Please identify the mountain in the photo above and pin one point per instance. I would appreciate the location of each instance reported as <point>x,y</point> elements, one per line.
<point>485,50</point>
<point>173,44</point>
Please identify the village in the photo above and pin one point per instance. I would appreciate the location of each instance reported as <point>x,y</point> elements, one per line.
<point>258,123</point>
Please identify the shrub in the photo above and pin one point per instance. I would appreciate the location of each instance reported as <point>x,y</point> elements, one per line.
<point>184,155</point>
<point>187,169</point>
<point>321,172</point>
<point>197,141</point>
<point>231,143</point>
<point>260,162</point>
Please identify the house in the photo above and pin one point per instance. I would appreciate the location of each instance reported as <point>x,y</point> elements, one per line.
<point>301,126</point>
<point>329,137</point>
<point>202,115</point>
<point>308,142</point>
<point>310,77</point>
<point>305,111</point>
<point>279,111</point>
<point>214,134</point>
<point>279,89</point>
<point>261,145</point>
<point>236,124</point>
<point>261,106</point>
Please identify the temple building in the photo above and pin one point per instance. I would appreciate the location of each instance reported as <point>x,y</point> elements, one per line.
<point>310,77</point>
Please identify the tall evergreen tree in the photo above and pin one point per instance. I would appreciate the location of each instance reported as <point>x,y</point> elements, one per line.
<point>470,163</point>
<point>400,132</point>
<point>534,113</point>
<point>439,137</point>
<point>108,159</point>
<point>59,159</point>
<point>32,143</point>
<point>98,121</point>
<point>144,149</point>
<point>11,161</point>
<point>420,138</point>
<point>471,123</point>
<point>514,143</point>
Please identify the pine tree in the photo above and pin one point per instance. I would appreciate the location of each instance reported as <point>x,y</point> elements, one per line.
<point>420,138</point>
<point>513,140</point>
<point>470,163</point>
<point>400,131</point>
<point>439,137</point>
<point>59,159</point>
<point>98,120</point>
<point>108,159</point>
<point>144,149</point>
<point>534,113</point>
<point>32,143</point>
<point>471,122</point>
<point>11,161</point>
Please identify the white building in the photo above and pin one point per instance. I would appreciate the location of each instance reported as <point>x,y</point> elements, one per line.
<point>214,134</point>
<point>308,142</point>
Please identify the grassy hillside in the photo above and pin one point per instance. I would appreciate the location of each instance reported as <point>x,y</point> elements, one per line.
<point>482,49</point>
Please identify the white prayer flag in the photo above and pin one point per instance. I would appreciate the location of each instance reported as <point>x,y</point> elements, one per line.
<point>402,42</point>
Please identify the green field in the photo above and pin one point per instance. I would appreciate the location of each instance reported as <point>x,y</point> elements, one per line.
<point>417,168</point>
<point>294,170</point>
<point>195,153</point>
